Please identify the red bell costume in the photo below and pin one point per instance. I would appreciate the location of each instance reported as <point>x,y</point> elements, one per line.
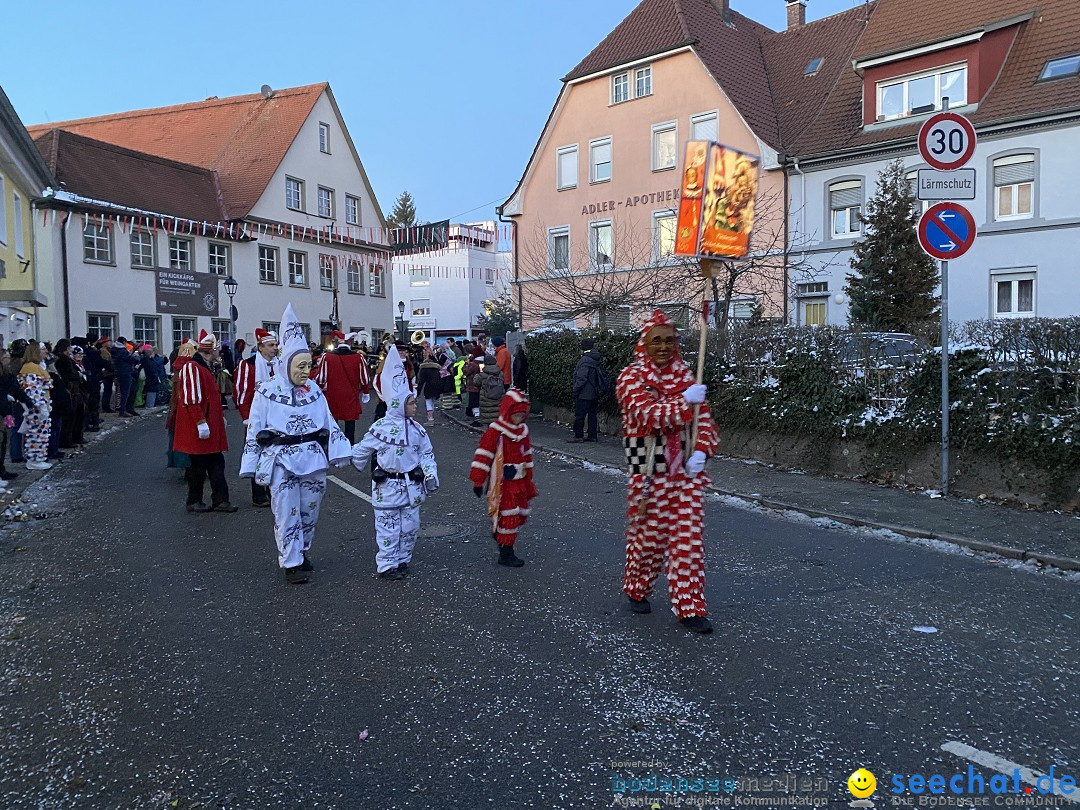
<point>344,377</point>
<point>657,418</point>
<point>502,444</point>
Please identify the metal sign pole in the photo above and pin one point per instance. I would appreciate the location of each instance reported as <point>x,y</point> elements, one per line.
<point>944,378</point>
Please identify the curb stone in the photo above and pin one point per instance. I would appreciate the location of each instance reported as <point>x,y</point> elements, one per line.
<point>1008,552</point>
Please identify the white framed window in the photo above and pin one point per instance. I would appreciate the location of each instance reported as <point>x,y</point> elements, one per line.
<point>324,138</point>
<point>1012,293</point>
<point>743,307</point>
<point>20,247</point>
<point>1060,68</point>
<point>420,308</point>
<point>272,326</point>
<point>182,329</point>
<point>643,82</point>
<point>218,258</point>
<point>97,242</point>
<point>221,328</point>
<point>620,88</point>
<point>489,277</point>
<point>142,248</point>
<point>294,194</point>
<point>327,271</point>
<point>559,249</point>
<point>354,275</point>
<point>101,323</point>
<point>616,319</point>
<point>813,303</point>
<point>1014,187</point>
<point>420,277</point>
<point>601,248</point>
<point>845,206</point>
<point>705,126</point>
<point>600,160</point>
<point>297,268</point>
<point>378,280</point>
<point>326,202</point>
<point>3,212</point>
<point>566,167</point>
<point>352,210</point>
<point>921,92</point>
<point>179,253</point>
<point>663,234</point>
<point>146,329</point>
<point>665,146</point>
<point>268,265</point>
<point>912,178</point>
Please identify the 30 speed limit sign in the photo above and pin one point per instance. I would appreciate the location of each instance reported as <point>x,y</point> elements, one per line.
<point>947,141</point>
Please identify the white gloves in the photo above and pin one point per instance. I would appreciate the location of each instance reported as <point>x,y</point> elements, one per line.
<point>696,463</point>
<point>431,483</point>
<point>695,394</point>
<point>365,399</point>
<point>204,430</point>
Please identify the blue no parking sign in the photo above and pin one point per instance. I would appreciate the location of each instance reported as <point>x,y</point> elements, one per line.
<point>946,231</point>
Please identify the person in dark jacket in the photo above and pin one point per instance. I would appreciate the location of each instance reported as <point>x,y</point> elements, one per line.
<point>10,390</point>
<point>429,385</point>
<point>521,368</point>
<point>61,412</point>
<point>14,363</point>
<point>124,365</point>
<point>589,384</point>
<point>94,368</point>
<point>108,373</point>
<point>151,374</point>
<point>71,377</point>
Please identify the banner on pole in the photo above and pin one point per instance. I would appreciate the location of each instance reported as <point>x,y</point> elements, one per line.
<point>716,210</point>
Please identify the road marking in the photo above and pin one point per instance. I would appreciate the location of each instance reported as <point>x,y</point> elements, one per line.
<point>349,488</point>
<point>1004,766</point>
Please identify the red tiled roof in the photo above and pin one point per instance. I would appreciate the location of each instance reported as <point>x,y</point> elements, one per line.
<point>110,173</point>
<point>242,138</point>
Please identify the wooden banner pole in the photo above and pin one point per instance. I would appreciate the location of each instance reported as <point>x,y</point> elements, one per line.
<point>706,271</point>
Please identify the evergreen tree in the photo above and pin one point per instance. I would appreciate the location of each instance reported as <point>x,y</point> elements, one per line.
<point>894,286</point>
<point>404,213</point>
<point>500,316</point>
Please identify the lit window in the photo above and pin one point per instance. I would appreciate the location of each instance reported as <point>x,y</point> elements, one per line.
<point>814,313</point>
<point>1014,187</point>
<point>1061,68</point>
<point>600,238</point>
<point>620,88</point>
<point>922,93</point>
<point>566,167</point>
<point>600,160</point>
<point>664,146</point>
<point>845,206</point>
<point>1013,294</point>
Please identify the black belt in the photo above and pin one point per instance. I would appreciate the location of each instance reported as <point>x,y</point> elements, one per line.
<point>266,438</point>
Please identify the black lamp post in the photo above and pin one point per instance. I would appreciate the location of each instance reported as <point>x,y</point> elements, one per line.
<point>402,323</point>
<point>230,290</point>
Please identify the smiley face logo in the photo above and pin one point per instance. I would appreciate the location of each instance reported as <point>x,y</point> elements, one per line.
<point>862,783</point>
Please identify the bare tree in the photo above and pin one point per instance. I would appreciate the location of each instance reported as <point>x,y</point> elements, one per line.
<point>612,270</point>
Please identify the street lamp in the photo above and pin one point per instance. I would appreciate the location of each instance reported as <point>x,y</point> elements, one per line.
<point>401,324</point>
<point>230,290</point>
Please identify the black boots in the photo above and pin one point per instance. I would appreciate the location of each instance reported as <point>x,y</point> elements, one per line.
<point>296,576</point>
<point>698,624</point>
<point>508,558</point>
<point>639,605</point>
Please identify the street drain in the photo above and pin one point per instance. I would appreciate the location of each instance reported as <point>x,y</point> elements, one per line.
<point>446,531</point>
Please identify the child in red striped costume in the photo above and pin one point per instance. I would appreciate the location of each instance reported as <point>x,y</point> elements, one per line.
<point>504,462</point>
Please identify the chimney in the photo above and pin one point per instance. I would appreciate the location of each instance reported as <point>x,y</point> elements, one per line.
<point>722,7</point>
<point>796,13</point>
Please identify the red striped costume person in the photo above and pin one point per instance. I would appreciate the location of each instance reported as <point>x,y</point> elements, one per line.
<point>504,463</point>
<point>665,511</point>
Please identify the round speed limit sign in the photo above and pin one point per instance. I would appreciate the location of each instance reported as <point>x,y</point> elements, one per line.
<point>947,141</point>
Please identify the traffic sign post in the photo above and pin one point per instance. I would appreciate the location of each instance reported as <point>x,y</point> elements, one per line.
<point>946,230</point>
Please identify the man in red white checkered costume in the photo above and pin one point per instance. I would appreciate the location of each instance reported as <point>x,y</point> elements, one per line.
<point>658,397</point>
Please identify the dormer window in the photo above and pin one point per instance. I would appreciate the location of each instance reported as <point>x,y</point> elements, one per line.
<point>636,83</point>
<point>921,93</point>
<point>1060,68</point>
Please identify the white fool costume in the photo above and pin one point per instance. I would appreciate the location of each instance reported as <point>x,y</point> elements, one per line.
<point>291,441</point>
<point>405,471</point>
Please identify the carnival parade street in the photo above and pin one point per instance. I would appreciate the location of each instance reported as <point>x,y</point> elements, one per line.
<point>152,657</point>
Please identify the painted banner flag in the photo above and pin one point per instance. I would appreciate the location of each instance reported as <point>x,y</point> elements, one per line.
<point>716,215</point>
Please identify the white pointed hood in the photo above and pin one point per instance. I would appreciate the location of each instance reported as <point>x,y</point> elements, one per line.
<point>293,339</point>
<point>393,384</point>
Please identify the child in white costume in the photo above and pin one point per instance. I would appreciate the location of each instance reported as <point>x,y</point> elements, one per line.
<point>405,470</point>
<point>291,441</point>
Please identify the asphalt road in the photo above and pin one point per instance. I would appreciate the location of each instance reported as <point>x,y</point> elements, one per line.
<point>153,658</point>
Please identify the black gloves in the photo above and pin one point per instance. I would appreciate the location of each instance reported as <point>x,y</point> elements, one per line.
<point>478,492</point>
<point>509,471</point>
